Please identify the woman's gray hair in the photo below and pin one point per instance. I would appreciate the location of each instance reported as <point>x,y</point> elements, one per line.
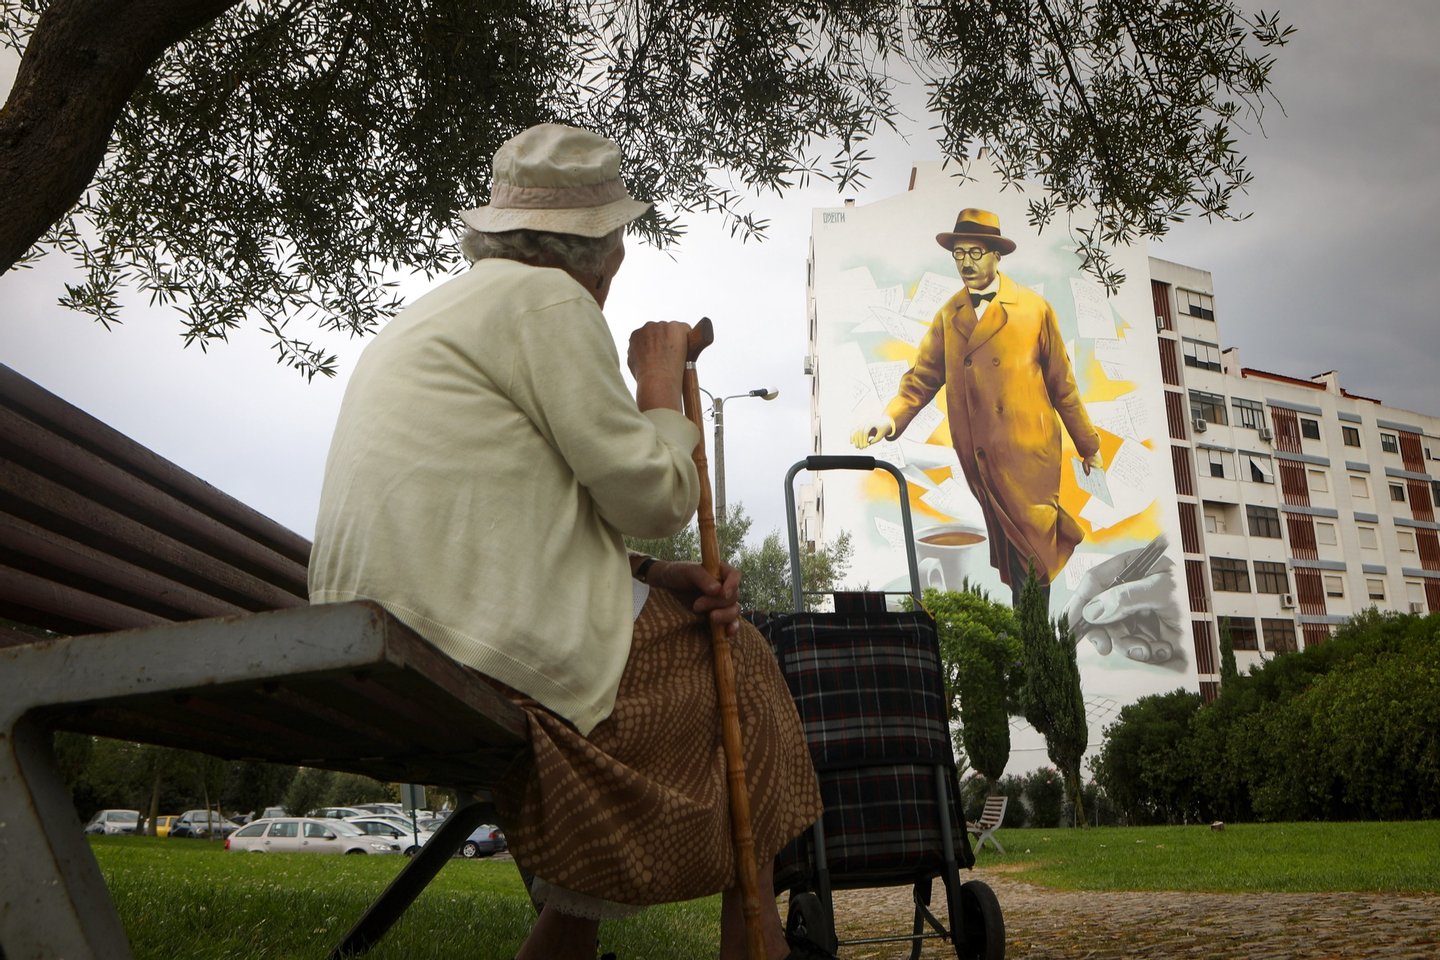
<point>582,255</point>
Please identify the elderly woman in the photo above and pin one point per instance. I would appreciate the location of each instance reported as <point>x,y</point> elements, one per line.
<point>486,463</point>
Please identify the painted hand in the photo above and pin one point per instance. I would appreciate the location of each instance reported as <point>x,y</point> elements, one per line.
<point>872,430</point>
<point>1093,462</point>
<point>1142,618</point>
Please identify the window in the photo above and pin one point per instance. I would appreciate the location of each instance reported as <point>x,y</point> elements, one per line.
<point>1206,356</point>
<point>1359,487</point>
<point>1325,533</point>
<point>1390,443</point>
<point>1334,585</point>
<point>1248,413</point>
<point>1214,523</point>
<point>1351,435</point>
<point>1200,305</point>
<point>1369,536</point>
<point>251,830</point>
<point>1375,588</point>
<point>1219,462</point>
<point>1279,635</point>
<point>1407,541</point>
<point>1319,483</point>
<point>1242,632</point>
<point>1229,574</point>
<point>1309,429</point>
<point>1207,406</point>
<point>1397,492</point>
<point>285,828</point>
<point>1260,469</point>
<point>313,829</point>
<point>1271,577</point>
<point>1263,521</point>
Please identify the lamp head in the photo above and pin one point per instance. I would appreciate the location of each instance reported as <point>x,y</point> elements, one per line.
<point>765,393</point>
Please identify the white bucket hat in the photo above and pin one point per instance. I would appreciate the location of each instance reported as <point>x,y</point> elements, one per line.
<point>559,179</point>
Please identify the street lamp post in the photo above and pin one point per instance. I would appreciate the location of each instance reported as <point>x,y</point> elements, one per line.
<point>717,404</point>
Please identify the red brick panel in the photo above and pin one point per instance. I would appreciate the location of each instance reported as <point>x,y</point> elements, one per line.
<point>1205,655</point>
<point>1314,634</point>
<point>1184,477</point>
<point>1287,430</point>
<point>1302,537</point>
<point>1195,586</point>
<point>1310,590</point>
<point>1160,293</point>
<point>1169,366</point>
<point>1293,485</point>
<point>1412,452</point>
<point>1189,528</point>
<point>1418,493</point>
<point>1176,413</point>
<point>1429,543</point>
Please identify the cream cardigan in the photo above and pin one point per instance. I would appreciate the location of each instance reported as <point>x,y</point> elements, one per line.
<point>487,459</point>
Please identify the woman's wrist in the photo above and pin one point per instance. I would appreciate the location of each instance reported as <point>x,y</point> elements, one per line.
<point>645,569</point>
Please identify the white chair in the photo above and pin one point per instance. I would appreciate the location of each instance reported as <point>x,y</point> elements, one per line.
<point>990,819</point>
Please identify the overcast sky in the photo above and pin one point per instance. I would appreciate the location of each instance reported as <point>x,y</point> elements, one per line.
<point>1335,270</point>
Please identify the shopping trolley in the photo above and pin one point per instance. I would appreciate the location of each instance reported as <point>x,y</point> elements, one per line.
<point>869,687</point>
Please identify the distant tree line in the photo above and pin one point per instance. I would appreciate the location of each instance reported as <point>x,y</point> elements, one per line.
<point>1347,730</point>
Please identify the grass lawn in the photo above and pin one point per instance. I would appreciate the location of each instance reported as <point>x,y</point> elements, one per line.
<point>1298,857</point>
<point>190,899</point>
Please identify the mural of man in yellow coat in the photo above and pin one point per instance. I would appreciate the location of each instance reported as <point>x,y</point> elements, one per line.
<point>997,345</point>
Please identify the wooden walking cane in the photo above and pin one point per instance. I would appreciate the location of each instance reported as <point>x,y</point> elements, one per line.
<point>701,336</point>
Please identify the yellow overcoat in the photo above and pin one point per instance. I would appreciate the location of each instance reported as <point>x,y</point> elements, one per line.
<point>1009,377</point>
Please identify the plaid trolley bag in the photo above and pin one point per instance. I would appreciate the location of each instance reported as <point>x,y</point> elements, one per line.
<point>868,685</point>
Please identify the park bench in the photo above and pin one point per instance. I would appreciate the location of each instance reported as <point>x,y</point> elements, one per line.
<point>138,602</point>
<point>990,819</point>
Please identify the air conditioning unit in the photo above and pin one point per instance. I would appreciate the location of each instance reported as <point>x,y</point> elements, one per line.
<point>1287,601</point>
<point>1199,424</point>
<point>810,365</point>
<point>1266,435</point>
<point>1417,606</point>
<point>1159,323</point>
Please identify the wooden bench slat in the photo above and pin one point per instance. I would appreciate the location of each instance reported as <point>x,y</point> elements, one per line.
<point>100,479</point>
<point>63,606</point>
<point>137,543</point>
<point>79,563</point>
<point>35,402</point>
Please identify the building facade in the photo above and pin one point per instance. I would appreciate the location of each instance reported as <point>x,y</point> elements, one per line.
<point>1300,503</point>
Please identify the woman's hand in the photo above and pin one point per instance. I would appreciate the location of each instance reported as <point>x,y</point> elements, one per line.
<point>657,361</point>
<point>718,600</point>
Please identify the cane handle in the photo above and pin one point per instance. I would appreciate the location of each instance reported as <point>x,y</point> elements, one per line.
<point>701,336</point>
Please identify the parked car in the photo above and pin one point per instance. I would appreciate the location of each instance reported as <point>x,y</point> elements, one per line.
<point>337,813</point>
<point>486,841</point>
<point>382,809</point>
<point>394,828</point>
<point>114,821</point>
<point>307,835</point>
<point>163,825</point>
<point>202,824</point>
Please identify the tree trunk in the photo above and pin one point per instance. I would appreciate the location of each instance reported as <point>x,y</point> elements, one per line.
<point>79,68</point>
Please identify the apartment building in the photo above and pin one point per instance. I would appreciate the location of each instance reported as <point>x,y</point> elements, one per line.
<point>1300,503</point>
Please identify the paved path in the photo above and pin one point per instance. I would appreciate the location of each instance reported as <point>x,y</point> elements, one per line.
<point>1043,924</point>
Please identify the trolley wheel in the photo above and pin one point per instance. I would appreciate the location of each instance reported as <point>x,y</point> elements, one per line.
<point>807,919</point>
<point>983,924</point>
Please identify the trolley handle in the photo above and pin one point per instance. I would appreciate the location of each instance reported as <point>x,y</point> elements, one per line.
<point>818,462</point>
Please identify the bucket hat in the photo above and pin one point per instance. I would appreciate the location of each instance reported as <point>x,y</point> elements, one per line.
<point>973,224</point>
<point>558,179</point>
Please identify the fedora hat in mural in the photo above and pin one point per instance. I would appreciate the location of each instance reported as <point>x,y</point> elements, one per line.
<point>973,224</point>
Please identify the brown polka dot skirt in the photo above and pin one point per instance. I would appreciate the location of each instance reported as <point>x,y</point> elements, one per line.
<point>638,812</point>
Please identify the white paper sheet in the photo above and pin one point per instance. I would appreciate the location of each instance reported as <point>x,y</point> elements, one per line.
<point>1093,319</point>
<point>930,294</point>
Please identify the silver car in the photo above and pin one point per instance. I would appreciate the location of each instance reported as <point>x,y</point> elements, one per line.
<point>114,821</point>
<point>307,835</point>
<point>394,828</point>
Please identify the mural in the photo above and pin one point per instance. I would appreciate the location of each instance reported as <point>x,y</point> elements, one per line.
<point>1024,406</point>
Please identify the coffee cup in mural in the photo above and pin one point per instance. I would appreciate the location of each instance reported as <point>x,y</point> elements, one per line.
<point>948,553</point>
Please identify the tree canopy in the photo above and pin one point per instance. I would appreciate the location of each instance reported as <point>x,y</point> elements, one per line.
<point>267,161</point>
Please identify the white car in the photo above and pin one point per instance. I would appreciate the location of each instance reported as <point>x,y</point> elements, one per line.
<point>114,821</point>
<point>307,835</point>
<point>394,828</point>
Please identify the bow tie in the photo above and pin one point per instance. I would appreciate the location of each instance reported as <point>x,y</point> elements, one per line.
<point>978,298</point>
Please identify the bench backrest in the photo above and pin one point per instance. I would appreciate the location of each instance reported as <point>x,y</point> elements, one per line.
<point>994,812</point>
<point>98,533</point>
